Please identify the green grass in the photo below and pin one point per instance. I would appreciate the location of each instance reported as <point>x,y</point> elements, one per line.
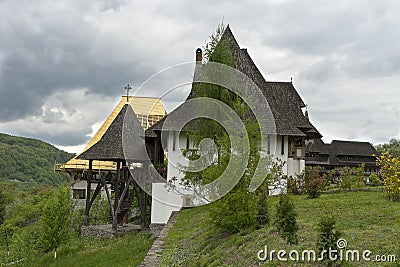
<point>366,219</point>
<point>126,250</point>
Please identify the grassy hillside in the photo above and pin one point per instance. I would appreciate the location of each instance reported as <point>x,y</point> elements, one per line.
<point>29,160</point>
<point>367,221</point>
<point>127,250</point>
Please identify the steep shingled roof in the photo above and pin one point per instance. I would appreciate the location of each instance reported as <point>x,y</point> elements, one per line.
<point>124,129</point>
<point>354,148</point>
<point>142,106</point>
<point>282,97</point>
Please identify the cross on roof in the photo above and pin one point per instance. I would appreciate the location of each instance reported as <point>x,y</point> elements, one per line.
<point>127,88</point>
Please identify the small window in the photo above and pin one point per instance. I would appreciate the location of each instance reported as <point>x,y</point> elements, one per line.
<point>173,141</point>
<point>268,144</point>
<point>282,145</point>
<point>79,193</point>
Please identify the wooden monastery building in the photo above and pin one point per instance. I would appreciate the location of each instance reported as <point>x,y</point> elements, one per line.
<point>287,144</point>
<point>106,166</point>
<point>340,154</point>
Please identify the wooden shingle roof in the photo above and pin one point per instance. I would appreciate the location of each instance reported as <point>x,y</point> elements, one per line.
<point>338,151</point>
<point>125,132</point>
<point>143,106</point>
<point>282,97</point>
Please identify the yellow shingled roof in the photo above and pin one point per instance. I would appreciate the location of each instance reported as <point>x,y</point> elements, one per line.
<point>143,107</point>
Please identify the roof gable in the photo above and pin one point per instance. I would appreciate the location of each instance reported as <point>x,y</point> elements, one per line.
<point>282,97</point>
<point>124,129</point>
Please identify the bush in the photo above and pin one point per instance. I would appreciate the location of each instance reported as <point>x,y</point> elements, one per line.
<point>263,215</point>
<point>328,235</point>
<point>374,180</point>
<point>285,220</point>
<point>55,218</point>
<point>295,184</point>
<point>313,184</point>
<point>352,178</point>
<point>235,211</point>
<point>390,172</point>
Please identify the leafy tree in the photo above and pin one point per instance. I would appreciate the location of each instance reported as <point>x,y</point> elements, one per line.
<point>26,207</point>
<point>3,203</point>
<point>25,244</point>
<point>55,219</point>
<point>374,180</point>
<point>237,209</point>
<point>390,172</point>
<point>352,178</point>
<point>328,235</point>
<point>262,204</point>
<point>285,219</point>
<point>393,147</point>
<point>314,184</point>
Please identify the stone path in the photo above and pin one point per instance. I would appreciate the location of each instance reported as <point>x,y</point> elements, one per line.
<point>154,255</point>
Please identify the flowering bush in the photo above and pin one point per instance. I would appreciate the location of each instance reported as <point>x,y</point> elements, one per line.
<point>390,172</point>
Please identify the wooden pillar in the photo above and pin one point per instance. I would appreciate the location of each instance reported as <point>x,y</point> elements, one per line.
<point>88,188</point>
<point>104,182</point>
<point>143,216</point>
<point>144,176</point>
<point>116,197</point>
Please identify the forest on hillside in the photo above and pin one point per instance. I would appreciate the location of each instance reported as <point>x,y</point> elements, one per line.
<point>30,160</point>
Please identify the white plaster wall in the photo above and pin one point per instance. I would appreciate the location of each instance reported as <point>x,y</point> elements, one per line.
<point>296,167</point>
<point>277,149</point>
<point>83,185</point>
<point>163,203</point>
<point>302,165</point>
<point>275,140</point>
<point>290,167</point>
<point>175,157</point>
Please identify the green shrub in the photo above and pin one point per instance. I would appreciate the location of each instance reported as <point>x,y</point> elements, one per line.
<point>328,236</point>
<point>313,184</point>
<point>262,215</point>
<point>352,178</point>
<point>235,211</point>
<point>295,184</point>
<point>285,220</point>
<point>374,180</point>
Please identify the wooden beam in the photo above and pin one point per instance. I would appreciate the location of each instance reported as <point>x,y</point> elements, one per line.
<point>96,192</point>
<point>143,208</point>
<point>88,188</point>
<point>116,190</point>
<point>123,194</point>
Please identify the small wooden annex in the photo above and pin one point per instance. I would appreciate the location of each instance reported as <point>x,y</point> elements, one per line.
<point>105,165</point>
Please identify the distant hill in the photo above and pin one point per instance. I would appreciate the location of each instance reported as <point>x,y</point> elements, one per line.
<point>30,160</point>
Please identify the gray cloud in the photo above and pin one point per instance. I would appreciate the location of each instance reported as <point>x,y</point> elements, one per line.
<point>343,57</point>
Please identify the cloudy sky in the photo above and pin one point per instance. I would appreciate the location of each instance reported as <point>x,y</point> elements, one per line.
<point>63,64</point>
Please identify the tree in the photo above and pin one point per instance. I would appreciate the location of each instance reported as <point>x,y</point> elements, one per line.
<point>238,209</point>
<point>2,206</point>
<point>393,147</point>
<point>55,219</point>
<point>285,219</point>
<point>390,172</point>
<point>313,183</point>
<point>328,235</point>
